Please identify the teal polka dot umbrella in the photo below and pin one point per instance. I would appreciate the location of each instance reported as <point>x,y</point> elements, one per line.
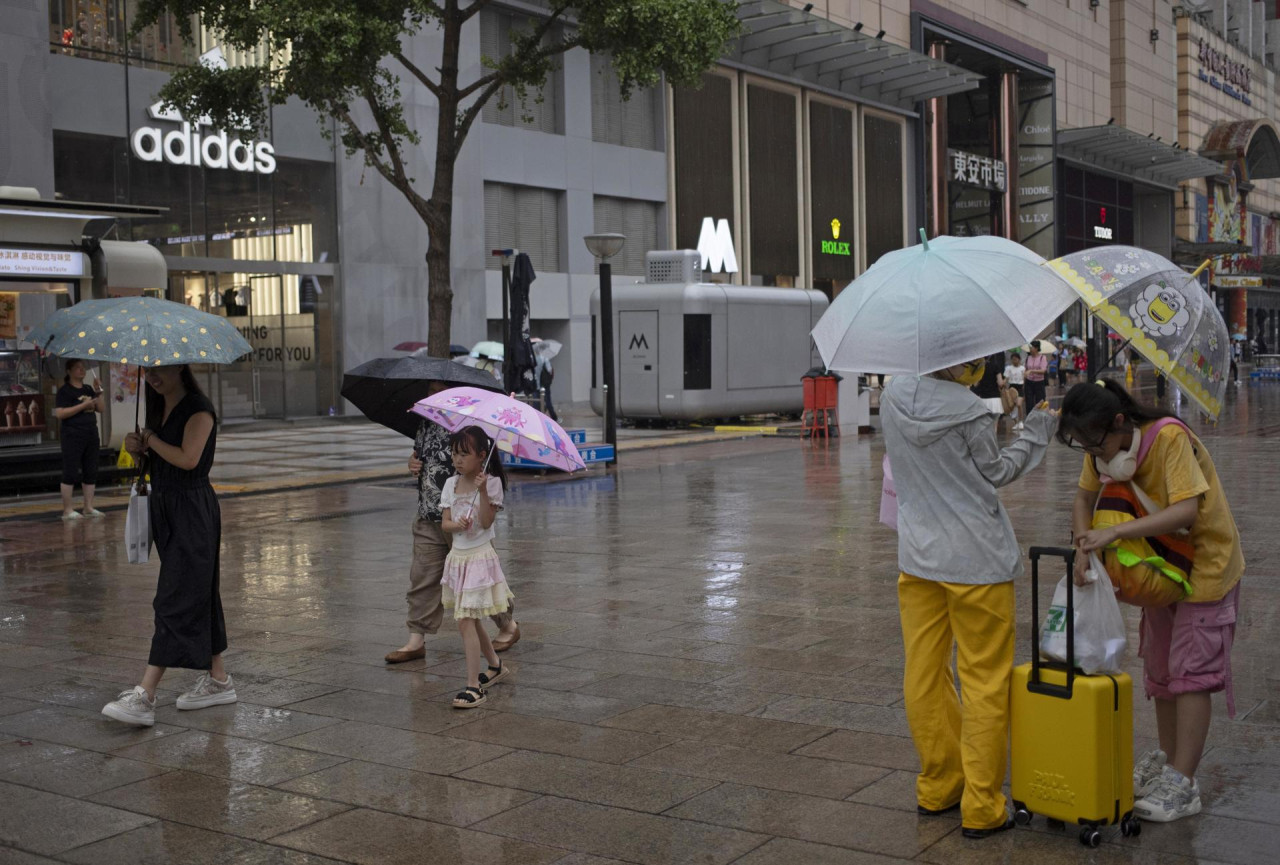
<point>145,331</point>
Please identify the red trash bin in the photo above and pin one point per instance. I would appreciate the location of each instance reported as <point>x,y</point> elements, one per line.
<point>820,400</point>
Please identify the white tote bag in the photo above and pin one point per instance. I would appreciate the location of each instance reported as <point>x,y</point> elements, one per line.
<point>137,525</point>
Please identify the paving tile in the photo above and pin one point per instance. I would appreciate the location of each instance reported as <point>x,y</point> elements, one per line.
<point>25,657</point>
<point>747,732</point>
<point>246,721</point>
<point>16,752</point>
<point>808,818</point>
<point>513,696</point>
<point>871,749</point>
<point>643,838</point>
<point>602,783</point>
<point>48,823</point>
<point>644,689</point>
<point>275,692</point>
<point>889,720</point>
<point>220,805</point>
<point>787,851</point>
<point>379,680</point>
<point>395,747</point>
<point>81,728</point>
<point>807,685</point>
<point>676,669</point>
<point>549,676</point>
<point>12,705</point>
<point>760,768</point>
<point>776,659</point>
<point>165,843</point>
<point>423,716</point>
<point>80,774</point>
<point>246,760</point>
<point>413,794</point>
<point>551,736</point>
<point>1052,848</point>
<point>375,838</point>
<point>13,682</point>
<point>10,856</point>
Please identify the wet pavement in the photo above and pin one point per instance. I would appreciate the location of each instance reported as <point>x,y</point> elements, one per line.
<point>710,671</point>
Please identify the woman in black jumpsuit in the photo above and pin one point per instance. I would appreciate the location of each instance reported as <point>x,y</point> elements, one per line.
<point>186,525</point>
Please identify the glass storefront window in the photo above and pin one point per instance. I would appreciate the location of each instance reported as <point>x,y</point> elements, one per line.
<point>773,186</point>
<point>883,185</point>
<point>834,229</point>
<point>1095,210</point>
<point>703,160</point>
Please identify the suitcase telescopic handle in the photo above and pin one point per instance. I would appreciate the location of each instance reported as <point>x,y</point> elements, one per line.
<point>1035,685</point>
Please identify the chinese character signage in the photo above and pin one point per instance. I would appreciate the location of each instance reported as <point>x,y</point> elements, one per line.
<point>41,262</point>
<point>973,170</point>
<point>1231,77</point>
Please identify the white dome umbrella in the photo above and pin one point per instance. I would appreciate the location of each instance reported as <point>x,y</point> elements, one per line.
<point>943,302</point>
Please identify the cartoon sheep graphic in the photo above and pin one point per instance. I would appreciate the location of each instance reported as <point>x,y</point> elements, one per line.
<point>1160,310</point>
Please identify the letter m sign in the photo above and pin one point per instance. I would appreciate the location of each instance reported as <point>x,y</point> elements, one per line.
<point>716,247</point>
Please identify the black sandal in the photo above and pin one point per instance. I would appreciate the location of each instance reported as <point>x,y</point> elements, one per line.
<point>469,699</point>
<point>495,674</point>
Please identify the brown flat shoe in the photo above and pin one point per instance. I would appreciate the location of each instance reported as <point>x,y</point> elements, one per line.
<point>506,642</point>
<point>399,657</point>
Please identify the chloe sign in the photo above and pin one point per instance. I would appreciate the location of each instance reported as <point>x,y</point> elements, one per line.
<point>186,146</point>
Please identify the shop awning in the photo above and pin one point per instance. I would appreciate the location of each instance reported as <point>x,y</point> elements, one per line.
<point>129,268</point>
<point>783,42</point>
<point>1255,141</point>
<point>1123,151</point>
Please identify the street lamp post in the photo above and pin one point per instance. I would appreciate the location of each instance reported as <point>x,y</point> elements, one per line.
<point>604,247</point>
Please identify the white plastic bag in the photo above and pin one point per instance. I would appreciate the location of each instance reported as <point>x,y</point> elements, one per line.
<point>137,525</point>
<point>888,498</point>
<point>1100,640</point>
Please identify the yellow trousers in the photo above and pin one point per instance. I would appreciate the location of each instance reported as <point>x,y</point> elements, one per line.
<point>963,743</point>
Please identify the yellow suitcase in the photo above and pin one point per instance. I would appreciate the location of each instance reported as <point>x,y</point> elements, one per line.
<point>1072,755</point>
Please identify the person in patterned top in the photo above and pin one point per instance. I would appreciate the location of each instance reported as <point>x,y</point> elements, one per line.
<point>432,464</point>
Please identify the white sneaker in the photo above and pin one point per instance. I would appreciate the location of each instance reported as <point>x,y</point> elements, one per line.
<point>1147,771</point>
<point>208,691</point>
<point>1174,797</point>
<point>73,515</point>
<point>1017,427</point>
<point>132,707</point>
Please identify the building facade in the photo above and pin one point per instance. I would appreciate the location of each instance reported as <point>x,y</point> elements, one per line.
<point>828,134</point>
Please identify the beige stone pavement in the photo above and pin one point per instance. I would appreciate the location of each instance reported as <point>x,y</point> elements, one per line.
<point>710,672</point>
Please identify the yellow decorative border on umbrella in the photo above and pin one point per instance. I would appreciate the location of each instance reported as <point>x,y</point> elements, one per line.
<point>1119,321</point>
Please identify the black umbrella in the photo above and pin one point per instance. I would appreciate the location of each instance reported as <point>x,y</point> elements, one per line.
<point>519,361</point>
<point>386,388</point>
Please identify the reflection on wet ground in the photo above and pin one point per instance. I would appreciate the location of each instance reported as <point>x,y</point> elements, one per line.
<point>709,672</point>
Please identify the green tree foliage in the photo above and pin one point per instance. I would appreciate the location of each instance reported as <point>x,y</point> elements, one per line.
<point>345,59</point>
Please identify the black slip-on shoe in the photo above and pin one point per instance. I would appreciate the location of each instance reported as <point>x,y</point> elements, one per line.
<point>979,834</point>
<point>929,812</point>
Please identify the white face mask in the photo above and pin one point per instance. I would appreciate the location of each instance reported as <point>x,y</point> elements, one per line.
<point>1124,465</point>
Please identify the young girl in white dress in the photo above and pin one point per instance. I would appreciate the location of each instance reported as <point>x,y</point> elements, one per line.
<point>474,586</point>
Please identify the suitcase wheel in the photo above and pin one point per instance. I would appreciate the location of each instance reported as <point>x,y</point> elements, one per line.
<point>1090,837</point>
<point>1022,816</point>
<point>1130,827</point>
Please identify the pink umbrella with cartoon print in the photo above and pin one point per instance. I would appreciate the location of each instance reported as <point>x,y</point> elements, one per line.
<point>515,427</point>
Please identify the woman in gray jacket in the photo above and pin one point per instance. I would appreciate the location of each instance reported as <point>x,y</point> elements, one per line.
<point>958,558</point>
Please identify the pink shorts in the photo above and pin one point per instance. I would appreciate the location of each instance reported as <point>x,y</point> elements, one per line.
<point>1186,648</point>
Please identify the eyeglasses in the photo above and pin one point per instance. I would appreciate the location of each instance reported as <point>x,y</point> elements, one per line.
<point>1087,447</point>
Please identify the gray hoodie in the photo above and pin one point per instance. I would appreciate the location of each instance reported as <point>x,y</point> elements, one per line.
<point>946,466</point>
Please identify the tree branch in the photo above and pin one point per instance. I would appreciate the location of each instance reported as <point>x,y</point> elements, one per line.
<point>384,131</point>
<point>483,81</point>
<point>469,116</point>
<point>399,181</point>
<point>419,74</point>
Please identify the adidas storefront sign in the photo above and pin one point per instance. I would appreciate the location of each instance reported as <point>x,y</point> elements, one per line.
<point>187,146</point>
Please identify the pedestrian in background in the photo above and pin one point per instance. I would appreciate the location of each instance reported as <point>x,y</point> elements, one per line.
<point>473,585</point>
<point>1185,647</point>
<point>1037,371</point>
<point>76,406</point>
<point>1014,377</point>
<point>431,462</point>
<point>988,387</point>
<point>958,558</point>
<point>1064,366</point>
<point>186,524</point>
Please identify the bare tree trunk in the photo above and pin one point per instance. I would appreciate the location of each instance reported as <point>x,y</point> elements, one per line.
<point>438,213</point>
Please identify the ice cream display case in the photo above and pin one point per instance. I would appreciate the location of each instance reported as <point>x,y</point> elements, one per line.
<point>22,405</point>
